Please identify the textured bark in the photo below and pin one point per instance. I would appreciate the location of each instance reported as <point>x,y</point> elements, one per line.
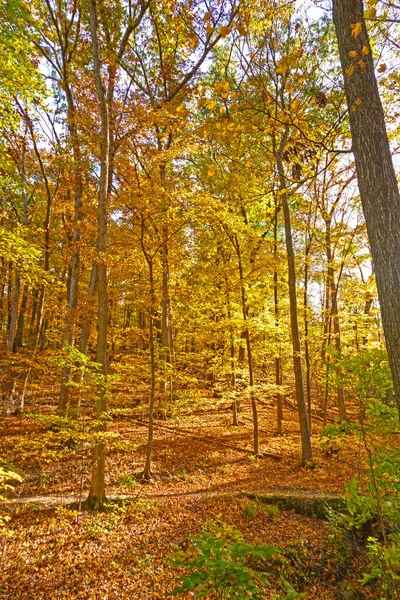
<point>377,182</point>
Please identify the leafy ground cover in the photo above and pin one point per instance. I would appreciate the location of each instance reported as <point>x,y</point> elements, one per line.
<point>202,467</point>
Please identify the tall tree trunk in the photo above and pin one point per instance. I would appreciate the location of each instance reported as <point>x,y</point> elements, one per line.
<point>306,331</point>
<point>18,341</point>
<point>334,312</point>
<point>232,354</point>
<point>97,495</point>
<point>14,313</point>
<point>278,359</point>
<point>298,371</point>
<point>85,334</point>
<point>246,332</point>
<point>165,324</point>
<point>377,181</point>
<point>72,292</point>
<point>149,448</point>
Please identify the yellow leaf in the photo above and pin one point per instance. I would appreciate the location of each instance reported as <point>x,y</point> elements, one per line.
<point>234,95</point>
<point>361,64</point>
<point>365,50</point>
<point>282,68</point>
<point>222,87</point>
<point>221,110</point>
<point>210,104</point>
<point>295,104</point>
<point>353,54</point>
<point>224,31</point>
<point>350,70</point>
<point>212,172</point>
<point>370,13</point>
<point>180,108</point>
<point>356,29</point>
<point>382,68</point>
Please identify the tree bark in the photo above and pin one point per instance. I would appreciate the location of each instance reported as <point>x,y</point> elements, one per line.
<point>298,371</point>
<point>377,182</point>
<point>334,328</point>
<point>246,332</point>
<point>278,359</point>
<point>97,495</point>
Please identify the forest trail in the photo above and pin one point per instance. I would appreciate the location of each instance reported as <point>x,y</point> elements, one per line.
<point>305,502</point>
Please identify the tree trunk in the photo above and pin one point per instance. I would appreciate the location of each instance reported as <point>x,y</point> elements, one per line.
<point>149,448</point>
<point>278,359</point>
<point>334,328</point>
<point>97,494</point>
<point>306,331</point>
<point>377,182</point>
<point>72,293</point>
<point>19,335</point>
<point>246,333</point>
<point>298,371</point>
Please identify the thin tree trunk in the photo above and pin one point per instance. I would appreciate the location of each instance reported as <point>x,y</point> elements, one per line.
<point>334,312</point>
<point>306,333</point>
<point>232,355</point>
<point>149,448</point>
<point>72,293</point>
<point>18,341</point>
<point>246,333</point>
<point>298,371</point>
<point>377,181</point>
<point>278,359</point>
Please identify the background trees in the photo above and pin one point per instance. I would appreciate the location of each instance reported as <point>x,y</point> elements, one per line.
<point>183,171</point>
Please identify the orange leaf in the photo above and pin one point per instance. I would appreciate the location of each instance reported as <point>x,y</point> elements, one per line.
<point>241,29</point>
<point>356,29</point>
<point>225,31</point>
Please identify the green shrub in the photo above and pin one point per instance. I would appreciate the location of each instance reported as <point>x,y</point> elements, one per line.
<point>217,566</point>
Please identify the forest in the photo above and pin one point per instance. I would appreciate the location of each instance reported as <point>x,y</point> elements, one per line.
<point>200,299</point>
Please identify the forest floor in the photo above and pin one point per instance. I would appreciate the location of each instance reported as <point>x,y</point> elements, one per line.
<point>203,467</point>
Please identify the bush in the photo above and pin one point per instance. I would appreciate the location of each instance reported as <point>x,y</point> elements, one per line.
<point>217,566</point>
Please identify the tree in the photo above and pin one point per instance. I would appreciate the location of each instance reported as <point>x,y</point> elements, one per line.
<point>377,181</point>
